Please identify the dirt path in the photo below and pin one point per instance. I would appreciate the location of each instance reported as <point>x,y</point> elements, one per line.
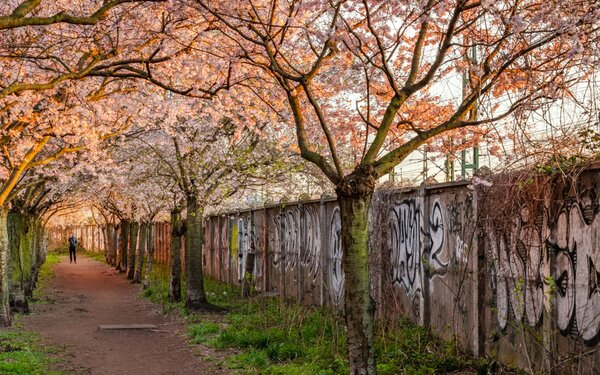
<point>87,294</point>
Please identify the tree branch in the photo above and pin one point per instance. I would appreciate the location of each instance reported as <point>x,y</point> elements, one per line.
<point>17,19</point>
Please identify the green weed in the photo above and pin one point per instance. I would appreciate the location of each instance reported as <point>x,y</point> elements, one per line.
<point>46,274</point>
<point>22,354</point>
<point>280,338</point>
<point>203,331</point>
<point>272,336</point>
<point>251,359</point>
<point>413,349</point>
<point>158,292</point>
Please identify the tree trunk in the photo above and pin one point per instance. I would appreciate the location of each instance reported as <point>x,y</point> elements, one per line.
<point>149,254</point>
<point>21,247</point>
<point>122,261</point>
<point>109,231</point>
<point>354,197</point>
<point>194,274</point>
<point>4,266</point>
<point>112,251</point>
<point>105,233</point>
<point>15,224</point>
<point>40,234</point>
<point>175,278</point>
<point>135,226</point>
<point>38,255</point>
<point>31,254</point>
<point>139,259</point>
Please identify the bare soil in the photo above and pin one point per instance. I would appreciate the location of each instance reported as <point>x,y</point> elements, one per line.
<point>85,295</point>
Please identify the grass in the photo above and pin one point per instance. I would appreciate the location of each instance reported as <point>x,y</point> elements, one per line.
<point>64,250</point>
<point>21,352</point>
<point>282,338</point>
<point>99,256</point>
<point>158,292</point>
<point>203,331</point>
<point>272,336</point>
<point>46,274</point>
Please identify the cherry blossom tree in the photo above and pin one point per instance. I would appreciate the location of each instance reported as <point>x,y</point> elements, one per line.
<point>36,141</point>
<point>205,151</point>
<point>50,51</point>
<point>368,73</point>
<point>34,56</point>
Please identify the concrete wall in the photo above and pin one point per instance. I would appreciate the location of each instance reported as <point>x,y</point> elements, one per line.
<point>542,282</point>
<point>526,290</point>
<point>297,250</point>
<point>523,287</point>
<point>422,261</point>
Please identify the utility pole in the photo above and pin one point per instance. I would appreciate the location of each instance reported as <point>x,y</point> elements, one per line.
<point>474,165</point>
<point>449,164</point>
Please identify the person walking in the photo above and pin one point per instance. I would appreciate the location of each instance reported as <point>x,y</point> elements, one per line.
<point>72,248</point>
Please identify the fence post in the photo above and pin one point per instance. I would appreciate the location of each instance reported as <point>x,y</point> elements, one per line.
<point>265,242</point>
<point>323,249</point>
<point>425,229</point>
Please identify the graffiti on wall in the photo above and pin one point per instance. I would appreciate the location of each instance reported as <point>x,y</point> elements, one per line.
<point>405,245</point>
<point>298,239</point>
<point>433,251</point>
<point>335,270</point>
<point>410,243</point>
<point>287,237</point>
<point>518,263</point>
<point>247,244</point>
<point>459,226</point>
<point>575,244</point>
<point>311,239</point>
<point>533,269</point>
<point>243,247</point>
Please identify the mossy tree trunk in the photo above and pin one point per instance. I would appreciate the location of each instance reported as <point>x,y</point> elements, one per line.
<point>133,244</point>
<point>40,256</point>
<point>354,197</point>
<point>14,231</point>
<point>40,240</point>
<point>31,251</point>
<point>194,238</point>
<point>247,281</point>
<point>20,244</point>
<point>141,249</point>
<point>5,318</point>
<point>25,252</point>
<point>149,254</point>
<point>122,260</point>
<point>112,244</point>
<point>25,235</point>
<point>109,247</point>
<point>175,266</point>
<point>105,234</point>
